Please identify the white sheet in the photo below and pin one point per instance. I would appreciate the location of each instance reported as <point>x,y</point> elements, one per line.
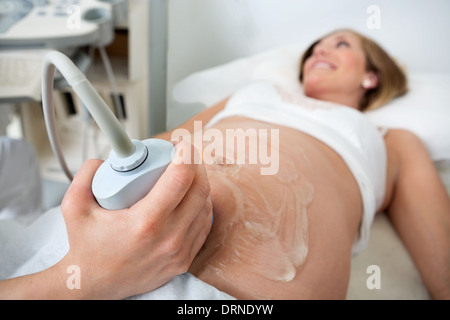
<point>20,183</point>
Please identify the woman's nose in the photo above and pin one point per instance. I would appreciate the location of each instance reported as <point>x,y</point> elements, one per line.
<point>320,50</point>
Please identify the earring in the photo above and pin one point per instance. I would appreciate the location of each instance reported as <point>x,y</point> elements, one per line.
<point>367,83</point>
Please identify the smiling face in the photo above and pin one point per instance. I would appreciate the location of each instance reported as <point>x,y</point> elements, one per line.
<point>336,70</point>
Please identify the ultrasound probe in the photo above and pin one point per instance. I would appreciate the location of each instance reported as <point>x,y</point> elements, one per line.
<point>133,166</point>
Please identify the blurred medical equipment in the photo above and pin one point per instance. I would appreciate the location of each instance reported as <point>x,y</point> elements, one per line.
<point>58,23</point>
<point>30,28</point>
<point>20,79</point>
<point>133,166</point>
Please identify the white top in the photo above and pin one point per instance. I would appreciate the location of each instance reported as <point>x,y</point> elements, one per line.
<point>346,130</point>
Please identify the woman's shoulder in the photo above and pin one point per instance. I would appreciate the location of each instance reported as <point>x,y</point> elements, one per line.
<point>404,144</point>
<point>402,139</point>
<point>402,147</point>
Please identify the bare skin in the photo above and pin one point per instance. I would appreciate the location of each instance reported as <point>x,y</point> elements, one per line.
<point>250,266</point>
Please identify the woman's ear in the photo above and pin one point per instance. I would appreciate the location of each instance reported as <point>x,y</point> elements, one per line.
<point>370,81</point>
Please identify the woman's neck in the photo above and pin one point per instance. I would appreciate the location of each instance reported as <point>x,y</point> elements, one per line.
<point>351,101</point>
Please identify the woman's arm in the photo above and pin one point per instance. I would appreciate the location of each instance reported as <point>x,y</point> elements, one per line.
<point>203,116</point>
<point>419,209</point>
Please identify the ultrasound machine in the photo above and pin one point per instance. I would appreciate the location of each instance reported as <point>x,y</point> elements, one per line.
<point>31,28</point>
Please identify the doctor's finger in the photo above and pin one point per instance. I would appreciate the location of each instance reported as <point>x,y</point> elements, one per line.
<point>199,230</point>
<point>170,189</point>
<point>195,201</point>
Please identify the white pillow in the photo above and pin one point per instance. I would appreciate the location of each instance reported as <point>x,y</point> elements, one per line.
<point>424,110</point>
<point>215,84</point>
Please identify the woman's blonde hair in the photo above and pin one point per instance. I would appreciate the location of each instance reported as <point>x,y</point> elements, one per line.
<point>392,81</point>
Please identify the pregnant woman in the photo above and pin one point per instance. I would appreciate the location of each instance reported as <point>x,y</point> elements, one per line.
<point>291,234</point>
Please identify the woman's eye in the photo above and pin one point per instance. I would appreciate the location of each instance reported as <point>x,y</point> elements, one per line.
<point>342,44</point>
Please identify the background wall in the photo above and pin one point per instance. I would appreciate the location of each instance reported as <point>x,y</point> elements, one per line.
<point>205,33</point>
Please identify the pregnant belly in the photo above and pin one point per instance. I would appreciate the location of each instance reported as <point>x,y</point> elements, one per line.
<point>262,222</point>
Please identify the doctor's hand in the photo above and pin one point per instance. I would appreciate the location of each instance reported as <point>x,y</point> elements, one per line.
<point>127,252</point>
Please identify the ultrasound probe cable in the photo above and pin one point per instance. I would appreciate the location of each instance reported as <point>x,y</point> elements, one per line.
<point>104,117</point>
